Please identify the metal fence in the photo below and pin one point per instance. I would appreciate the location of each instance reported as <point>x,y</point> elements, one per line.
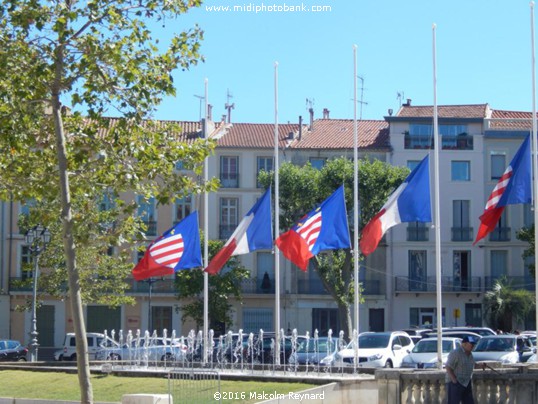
<point>196,386</point>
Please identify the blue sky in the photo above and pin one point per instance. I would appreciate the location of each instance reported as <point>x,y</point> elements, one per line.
<point>483,56</point>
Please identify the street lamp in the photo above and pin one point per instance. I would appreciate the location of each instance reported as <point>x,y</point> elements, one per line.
<point>37,239</point>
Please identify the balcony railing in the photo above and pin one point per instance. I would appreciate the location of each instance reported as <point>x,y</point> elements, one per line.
<point>159,286</point>
<point>462,234</point>
<point>256,286</point>
<point>500,234</point>
<point>229,180</point>
<point>515,282</point>
<point>448,284</point>
<point>448,142</point>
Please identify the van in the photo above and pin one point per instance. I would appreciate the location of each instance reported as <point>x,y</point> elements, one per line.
<point>96,341</point>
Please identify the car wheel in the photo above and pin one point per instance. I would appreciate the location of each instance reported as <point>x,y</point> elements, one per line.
<point>388,364</point>
<point>114,357</point>
<point>60,358</point>
<point>21,359</point>
<point>167,357</point>
<point>73,357</point>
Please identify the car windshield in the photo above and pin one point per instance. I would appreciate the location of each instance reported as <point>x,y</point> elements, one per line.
<point>431,346</point>
<point>495,344</point>
<point>372,341</point>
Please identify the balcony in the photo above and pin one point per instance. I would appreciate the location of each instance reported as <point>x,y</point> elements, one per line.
<point>448,142</point>
<point>500,234</point>
<point>254,286</point>
<point>462,234</point>
<point>515,282</point>
<point>448,284</point>
<point>159,286</point>
<point>229,180</point>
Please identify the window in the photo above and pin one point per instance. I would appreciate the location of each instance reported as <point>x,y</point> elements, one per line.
<point>266,164</point>
<point>161,318</point>
<point>461,170</point>
<point>229,171</point>
<point>461,267</point>
<point>255,320</point>
<point>417,270</point>
<point>146,212</point>
<point>498,165</point>
<point>179,165</point>
<point>473,314</point>
<point>461,230</point>
<point>502,230</point>
<point>107,202</point>
<point>417,231</point>
<point>412,164</point>
<point>266,272</point>
<point>425,316</point>
<point>499,264</point>
<point>228,217</point>
<point>25,207</point>
<point>182,208</point>
<point>26,268</point>
<point>317,162</point>
<point>420,136</point>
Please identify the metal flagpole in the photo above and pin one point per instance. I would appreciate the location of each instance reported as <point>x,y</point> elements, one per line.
<point>534,155</point>
<point>277,230</point>
<point>355,193</point>
<point>206,235</point>
<point>436,147</point>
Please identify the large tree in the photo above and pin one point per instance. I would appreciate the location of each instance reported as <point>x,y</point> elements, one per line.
<point>98,57</point>
<point>303,187</point>
<point>527,234</point>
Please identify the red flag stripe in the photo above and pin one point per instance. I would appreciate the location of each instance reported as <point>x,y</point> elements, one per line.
<point>499,189</point>
<point>310,230</point>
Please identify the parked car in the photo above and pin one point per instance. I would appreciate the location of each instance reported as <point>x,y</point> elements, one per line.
<point>12,351</point>
<point>482,331</point>
<point>311,351</point>
<point>375,349</point>
<point>503,348</point>
<point>96,342</point>
<point>424,353</point>
<point>155,349</point>
<point>422,332</point>
<point>456,334</point>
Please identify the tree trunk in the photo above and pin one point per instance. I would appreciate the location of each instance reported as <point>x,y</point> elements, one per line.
<point>344,315</point>
<point>83,365</point>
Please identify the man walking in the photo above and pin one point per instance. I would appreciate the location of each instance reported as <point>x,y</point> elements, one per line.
<point>459,372</point>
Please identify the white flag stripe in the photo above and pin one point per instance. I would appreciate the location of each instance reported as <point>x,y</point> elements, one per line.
<point>166,248</point>
<point>170,257</point>
<point>168,240</point>
<point>312,239</point>
<point>309,222</point>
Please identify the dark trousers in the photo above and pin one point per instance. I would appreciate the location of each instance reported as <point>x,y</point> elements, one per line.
<point>457,393</point>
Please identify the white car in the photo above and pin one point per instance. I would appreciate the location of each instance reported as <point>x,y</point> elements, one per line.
<point>498,348</point>
<point>424,354</point>
<point>375,350</point>
<point>156,349</point>
<point>95,341</point>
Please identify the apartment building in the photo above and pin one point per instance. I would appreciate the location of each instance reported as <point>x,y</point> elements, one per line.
<point>399,278</point>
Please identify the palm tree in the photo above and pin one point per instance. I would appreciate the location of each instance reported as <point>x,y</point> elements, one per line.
<point>503,305</point>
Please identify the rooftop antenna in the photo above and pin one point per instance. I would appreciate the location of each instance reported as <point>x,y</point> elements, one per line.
<point>361,102</point>
<point>400,96</point>
<point>229,106</point>
<point>201,98</point>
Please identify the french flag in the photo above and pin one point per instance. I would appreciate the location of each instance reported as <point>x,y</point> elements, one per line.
<point>324,228</point>
<point>178,248</point>
<point>409,203</point>
<point>514,187</point>
<point>253,233</point>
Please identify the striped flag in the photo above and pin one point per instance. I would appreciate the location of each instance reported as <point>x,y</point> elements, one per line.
<point>178,248</point>
<point>324,228</point>
<point>514,187</point>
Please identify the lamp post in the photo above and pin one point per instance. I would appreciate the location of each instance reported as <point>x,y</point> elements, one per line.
<point>150,282</point>
<point>37,239</point>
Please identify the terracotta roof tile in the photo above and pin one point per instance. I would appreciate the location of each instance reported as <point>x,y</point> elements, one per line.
<point>517,120</point>
<point>478,111</point>
<point>254,135</point>
<point>338,134</point>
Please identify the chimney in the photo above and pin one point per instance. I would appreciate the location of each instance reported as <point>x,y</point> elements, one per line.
<point>209,112</point>
<point>223,119</point>
<point>408,103</point>
<point>311,110</point>
<point>325,113</point>
<point>300,127</point>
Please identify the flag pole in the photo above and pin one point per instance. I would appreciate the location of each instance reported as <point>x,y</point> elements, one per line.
<point>206,234</point>
<point>277,227</point>
<point>436,147</point>
<point>355,194</point>
<point>534,153</point>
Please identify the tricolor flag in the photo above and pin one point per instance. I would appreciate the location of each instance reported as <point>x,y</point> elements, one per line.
<point>514,187</point>
<point>324,228</point>
<point>409,203</point>
<point>178,248</point>
<point>253,233</point>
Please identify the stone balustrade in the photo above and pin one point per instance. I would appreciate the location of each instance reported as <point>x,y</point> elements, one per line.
<point>503,384</point>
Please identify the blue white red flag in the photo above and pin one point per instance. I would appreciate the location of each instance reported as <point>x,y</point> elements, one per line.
<point>514,187</point>
<point>178,248</point>
<point>253,233</point>
<point>324,228</point>
<point>409,203</point>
